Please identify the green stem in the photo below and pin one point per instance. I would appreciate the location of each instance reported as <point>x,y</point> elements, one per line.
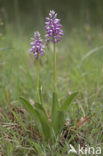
<point>38,79</point>
<point>54,67</point>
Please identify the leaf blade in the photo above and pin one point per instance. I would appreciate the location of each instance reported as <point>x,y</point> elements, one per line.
<point>39,115</point>
<point>59,121</point>
<point>67,102</point>
<point>55,105</point>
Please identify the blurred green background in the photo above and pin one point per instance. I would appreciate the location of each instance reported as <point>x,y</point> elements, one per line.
<point>26,16</point>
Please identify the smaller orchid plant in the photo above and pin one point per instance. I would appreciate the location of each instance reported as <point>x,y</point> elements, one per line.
<point>37,49</point>
<point>52,128</point>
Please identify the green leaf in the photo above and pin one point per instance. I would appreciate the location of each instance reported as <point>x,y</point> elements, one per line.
<point>30,108</point>
<point>58,122</point>
<point>38,114</point>
<point>44,121</point>
<point>55,105</point>
<point>69,99</point>
<point>40,107</point>
<point>46,129</point>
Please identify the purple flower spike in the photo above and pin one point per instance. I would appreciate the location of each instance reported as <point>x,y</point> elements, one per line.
<point>53,27</point>
<point>37,46</point>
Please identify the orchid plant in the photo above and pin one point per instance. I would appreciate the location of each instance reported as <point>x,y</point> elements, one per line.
<point>48,128</point>
<point>37,49</point>
<point>54,34</point>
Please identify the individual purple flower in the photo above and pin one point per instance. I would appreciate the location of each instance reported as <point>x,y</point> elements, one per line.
<point>53,27</point>
<point>37,46</point>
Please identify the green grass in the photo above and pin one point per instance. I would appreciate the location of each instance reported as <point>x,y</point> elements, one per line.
<point>18,78</point>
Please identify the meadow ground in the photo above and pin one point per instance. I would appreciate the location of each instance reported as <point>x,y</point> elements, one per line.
<point>79,68</point>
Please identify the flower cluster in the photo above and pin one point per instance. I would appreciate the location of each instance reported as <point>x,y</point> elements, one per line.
<point>54,33</point>
<point>53,27</point>
<point>37,46</point>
